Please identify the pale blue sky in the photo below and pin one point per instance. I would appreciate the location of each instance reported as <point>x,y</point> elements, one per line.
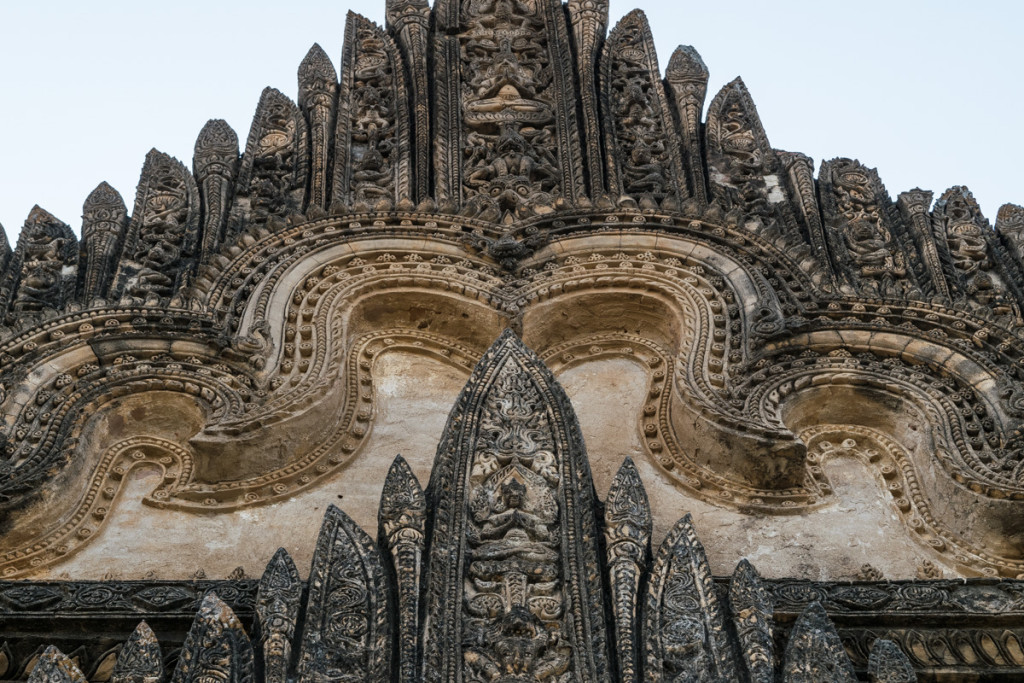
<point>932,93</point>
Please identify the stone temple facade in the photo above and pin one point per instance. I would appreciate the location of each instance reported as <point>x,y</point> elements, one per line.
<point>627,351</point>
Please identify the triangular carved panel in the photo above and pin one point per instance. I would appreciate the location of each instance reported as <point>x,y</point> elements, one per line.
<point>346,636</point>
<point>514,564</point>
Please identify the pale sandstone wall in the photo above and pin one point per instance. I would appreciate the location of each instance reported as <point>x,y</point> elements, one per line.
<point>857,526</point>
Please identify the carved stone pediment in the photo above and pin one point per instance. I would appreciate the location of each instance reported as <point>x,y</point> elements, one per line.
<point>479,210</point>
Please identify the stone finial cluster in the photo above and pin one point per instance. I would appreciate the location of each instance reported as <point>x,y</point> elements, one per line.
<point>461,119</point>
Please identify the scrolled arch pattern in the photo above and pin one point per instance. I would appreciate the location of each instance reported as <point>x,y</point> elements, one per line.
<point>747,367</point>
<point>226,335</point>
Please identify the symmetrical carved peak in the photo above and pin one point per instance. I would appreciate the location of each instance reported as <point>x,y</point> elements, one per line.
<point>276,164</point>
<point>866,242</point>
<point>686,65</point>
<point>641,165</point>
<point>684,622</point>
<point>635,17</point>
<point>401,522</point>
<point>514,558</point>
<point>216,648</point>
<point>507,139</point>
<point>958,203</point>
<point>372,136</point>
<point>318,93</point>
<point>103,198</point>
<point>745,174</point>
<point>889,664</point>
<point>402,503</point>
<point>140,660</point>
<point>245,299</point>
<point>215,164</point>
<point>627,512</point>
<point>40,275</point>
<point>976,271</point>
<point>752,612</point>
<point>734,127</point>
<point>346,635</point>
<point>1010,224</point>
<point>627,531</point>
<point>163,232</point>
<point>598,8</point>
<point>55,667</point>
<point>1010,215</point>
<point>814,652</point>
<point>277,612</point>
<point>39,216</point>
<point>104,219</point>
<point>317,76</point>
<point>216,149</point>
<point>402,6</point>
<point>399,16</point>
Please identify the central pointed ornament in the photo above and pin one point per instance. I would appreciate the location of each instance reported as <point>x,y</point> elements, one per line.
<point>514,587</point>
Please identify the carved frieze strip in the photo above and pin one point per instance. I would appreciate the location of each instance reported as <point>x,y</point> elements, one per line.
<point>127,600</point>
<point>956,652</point>
<point>971,602</point>
<point>914,614</point>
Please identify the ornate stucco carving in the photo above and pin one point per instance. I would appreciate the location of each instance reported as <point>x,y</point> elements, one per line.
<point>513,587</point>
<point>483,167</point>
